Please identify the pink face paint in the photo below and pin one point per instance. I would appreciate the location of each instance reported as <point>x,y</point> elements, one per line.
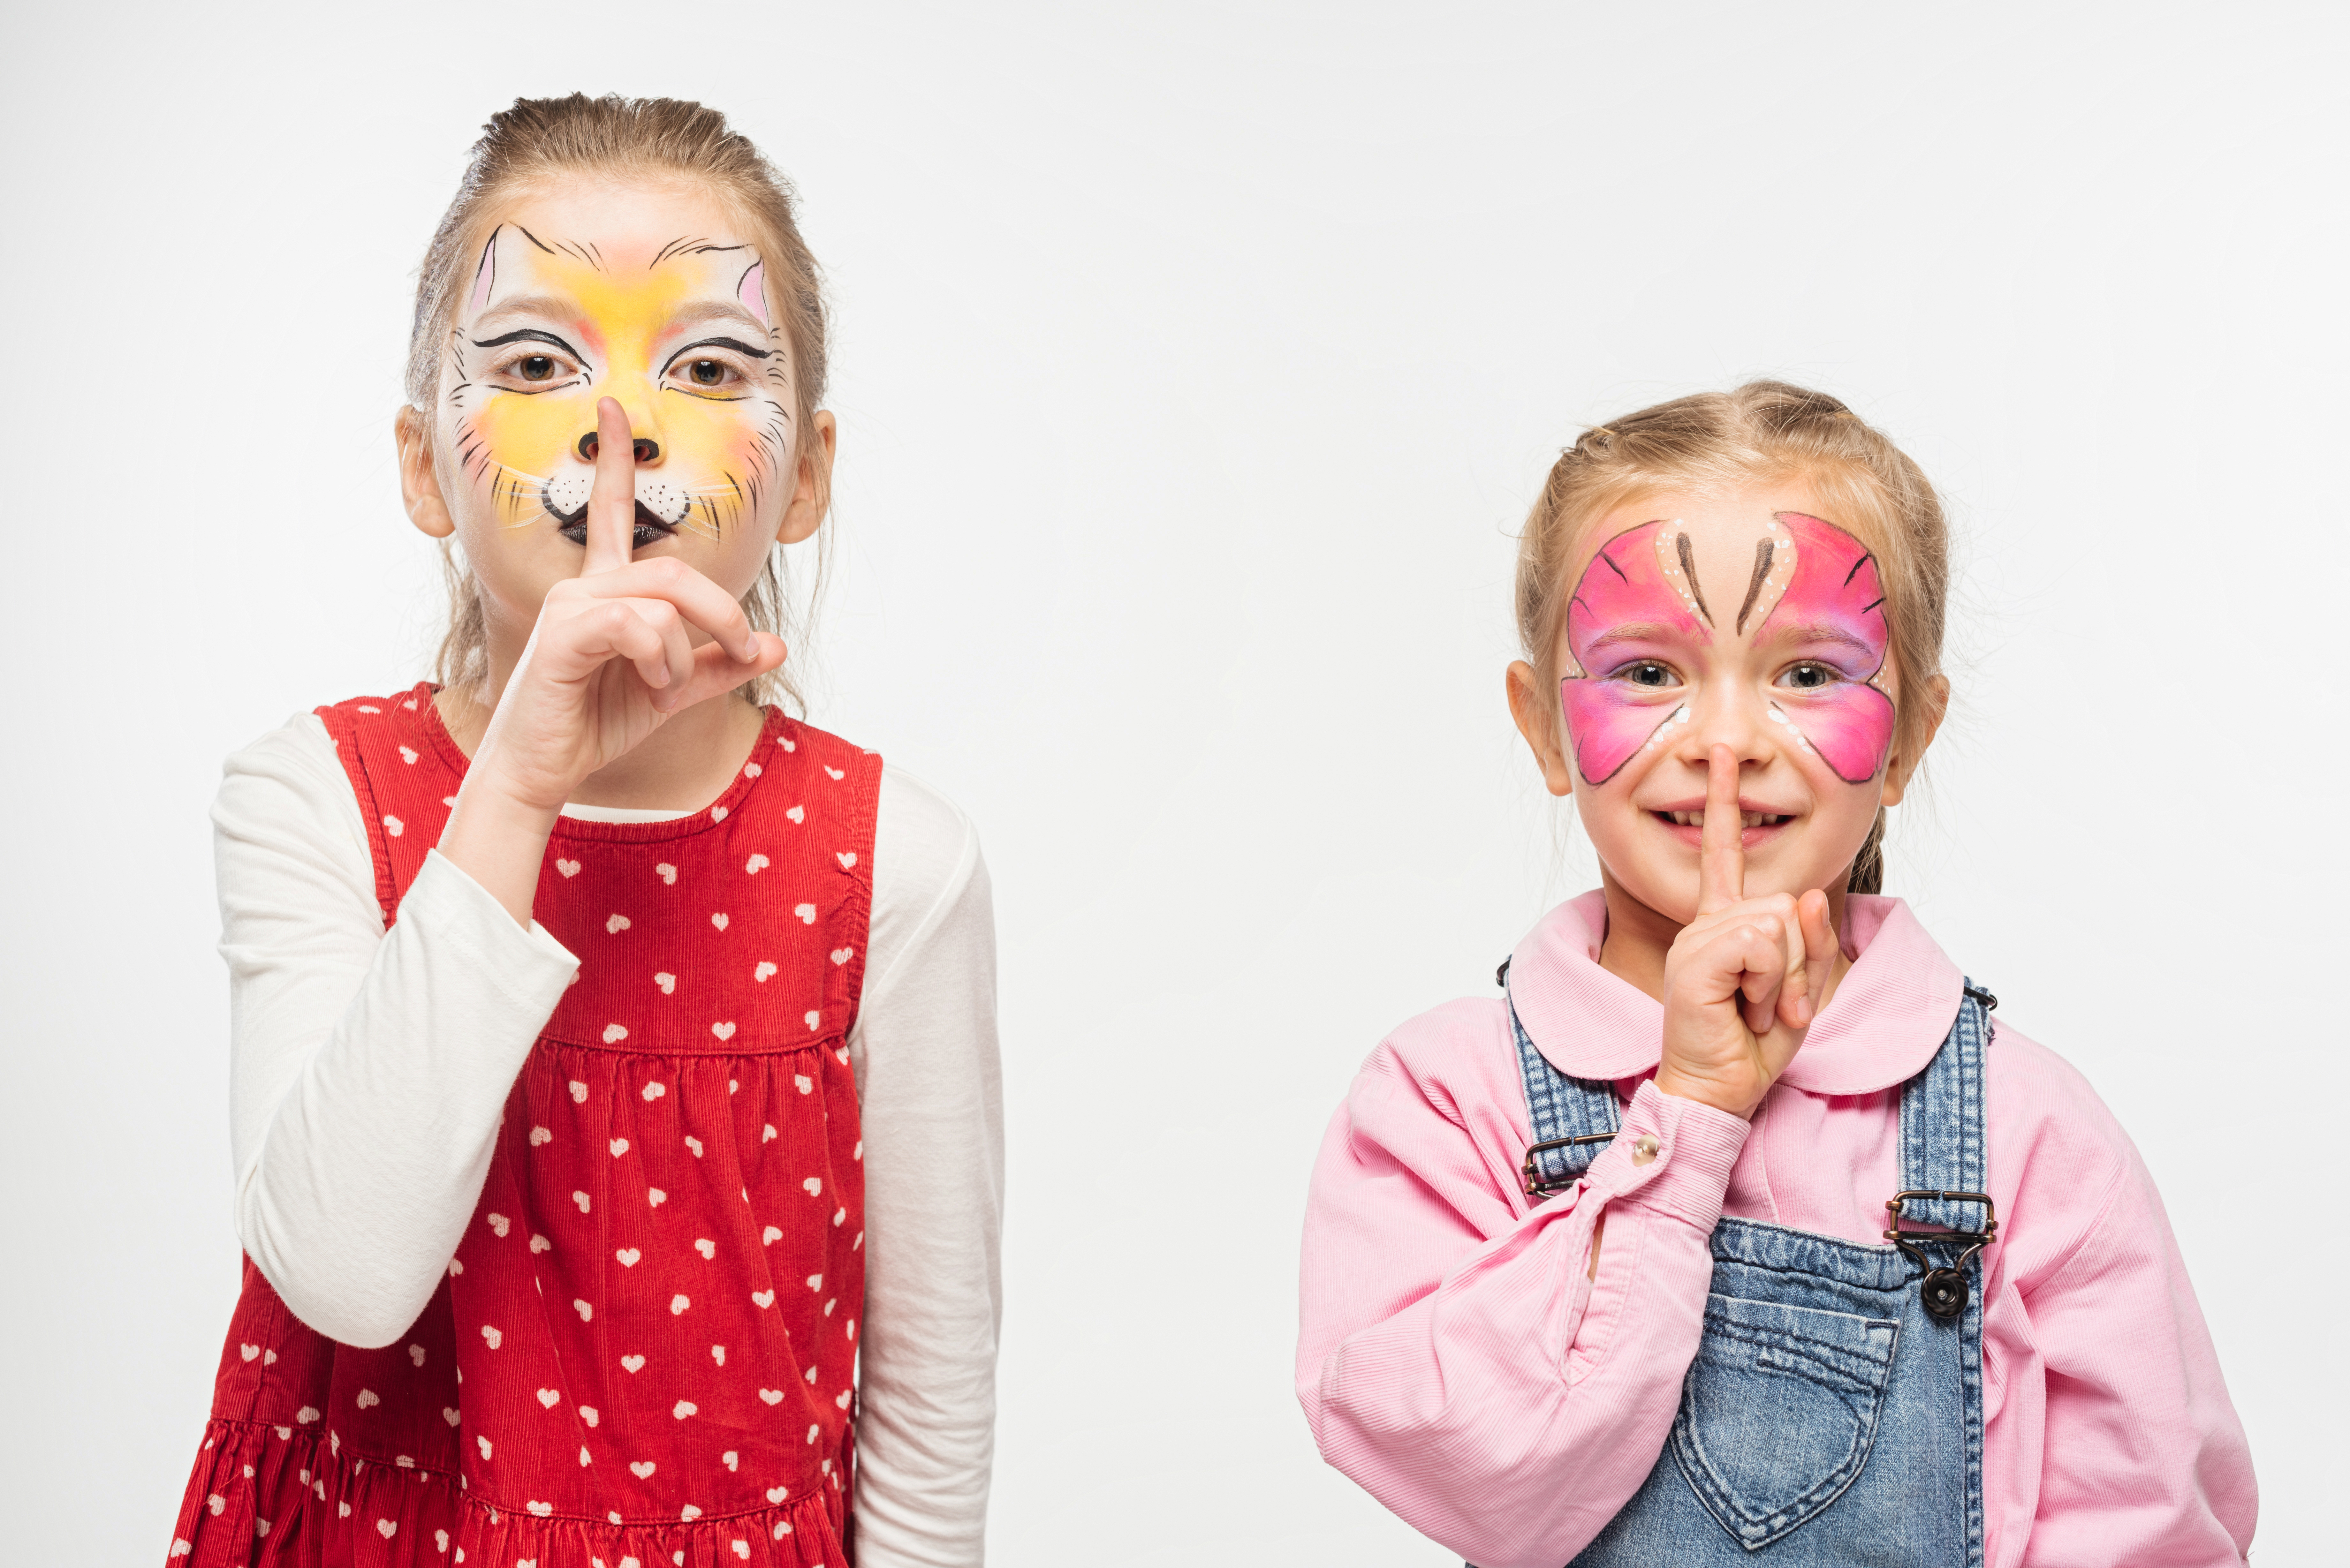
<point>1830,609</point>
<point>753,293</point>
<point>1636,600</point>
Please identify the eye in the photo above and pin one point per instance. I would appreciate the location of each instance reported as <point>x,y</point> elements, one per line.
<point>536,368</point>
<point>1808,677</point>
<point>1648,672</point>
<point>707,375</point>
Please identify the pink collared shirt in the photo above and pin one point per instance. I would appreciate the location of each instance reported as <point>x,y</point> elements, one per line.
<point>1455,1359</point>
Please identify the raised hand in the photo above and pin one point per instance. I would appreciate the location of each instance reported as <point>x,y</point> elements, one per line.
<point>1741,979</point>
<point>611,657</point>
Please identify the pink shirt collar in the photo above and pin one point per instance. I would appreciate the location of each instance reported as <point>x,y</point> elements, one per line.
<point>1882,1026</point>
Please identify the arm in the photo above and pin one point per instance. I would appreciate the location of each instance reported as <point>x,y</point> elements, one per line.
<point>368,1071</point>
<point>2143,1460</point>
<point>931,1104</point>
<point>1459,1358</point>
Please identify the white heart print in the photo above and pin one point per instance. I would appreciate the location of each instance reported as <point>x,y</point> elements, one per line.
<point>614,1033</point>
<point>491,1335</point>
<point>393,825</point>
<point>814,1018</point>
<point>706,1247</point>
<point>628,1257</point>
<point>654,1091</point>
<point>757,863</point>
<point>797,814</point>
<point>499,1224</point>
<point>764,1298</point>
<point>578,1093</point>
<point>719,920</point>
<point>813,1186</point>
<point>773,1396</point>
<point>806,912</point>
<point>616,925</point>
<point>667,873</point>
<point>569,867</point>
<point>667,981</point>
<point>633,1362</point>
<point>620,1147</point>
<point>763,970</point>
<point>723,1031</point>
<point>549,1397</point>
<point>848,858</point>
<point>842,955</point>
<point>539,1135</point>
<point>834,772</point>
<point>641,1468</point>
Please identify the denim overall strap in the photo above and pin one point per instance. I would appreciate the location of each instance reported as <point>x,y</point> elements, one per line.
<point>1943,1149</point>
<point>1832,1414</point>
<point>1560,1109</point>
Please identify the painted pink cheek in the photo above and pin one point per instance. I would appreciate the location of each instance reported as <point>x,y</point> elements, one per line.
<point>1851,728</point>
<point>1608,728</point>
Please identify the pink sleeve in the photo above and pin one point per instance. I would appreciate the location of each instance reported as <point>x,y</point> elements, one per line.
<point>2144,1461</point>
<point>1454,1360</point>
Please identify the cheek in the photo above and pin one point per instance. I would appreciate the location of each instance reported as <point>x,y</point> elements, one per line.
<point>1608,727</point>
<point>533,434</point>
<point>1851,729</point>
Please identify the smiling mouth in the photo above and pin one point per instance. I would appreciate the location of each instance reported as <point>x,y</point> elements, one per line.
<point>573,525</point>
<point>1745,818</point>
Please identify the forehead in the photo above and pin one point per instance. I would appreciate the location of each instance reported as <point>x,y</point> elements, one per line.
<point>1722,524</point>
<point>617,248</point>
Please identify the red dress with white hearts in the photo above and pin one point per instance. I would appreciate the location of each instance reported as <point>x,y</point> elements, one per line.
<point>644,1350</point>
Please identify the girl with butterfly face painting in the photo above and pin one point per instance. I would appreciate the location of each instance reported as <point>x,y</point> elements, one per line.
<point>616,1110</point>
<point>1736,1231</point>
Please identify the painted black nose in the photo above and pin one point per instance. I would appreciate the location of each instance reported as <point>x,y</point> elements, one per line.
<point>647,450</point>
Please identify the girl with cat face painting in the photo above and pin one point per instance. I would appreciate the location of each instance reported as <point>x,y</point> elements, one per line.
<point>616,1111</point>
<point>1737,1231</point>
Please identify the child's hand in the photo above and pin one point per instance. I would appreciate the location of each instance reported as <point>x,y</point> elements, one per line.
<point>611,657</point>
<point>1741,977</point>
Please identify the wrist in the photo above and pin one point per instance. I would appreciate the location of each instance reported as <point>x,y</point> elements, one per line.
<point>499,839</point>
<point>1705,1092</point>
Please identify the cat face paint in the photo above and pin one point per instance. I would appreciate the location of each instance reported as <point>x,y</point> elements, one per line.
<point>1811,603</point>
<point>680,336</point>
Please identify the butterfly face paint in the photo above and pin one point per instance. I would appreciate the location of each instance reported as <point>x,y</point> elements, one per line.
<point>684,342</point>
<point>1639,610</point>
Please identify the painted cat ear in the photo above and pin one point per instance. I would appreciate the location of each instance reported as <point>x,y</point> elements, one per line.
<point>485,276</point>
<point>753,292</point>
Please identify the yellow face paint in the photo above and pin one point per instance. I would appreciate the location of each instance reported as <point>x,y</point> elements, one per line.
<point>682,340</point>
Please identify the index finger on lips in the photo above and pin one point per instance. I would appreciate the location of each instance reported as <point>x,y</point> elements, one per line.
<point>612,505</point>
<point>1721,854</point>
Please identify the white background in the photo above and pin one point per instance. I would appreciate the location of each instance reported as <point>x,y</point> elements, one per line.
<point>1195,367</point>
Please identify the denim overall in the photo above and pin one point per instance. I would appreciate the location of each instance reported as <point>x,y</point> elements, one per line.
<point>1834,1412</point>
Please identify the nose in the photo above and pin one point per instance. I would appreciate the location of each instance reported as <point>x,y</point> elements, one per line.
<point>647,449</point>
<point>1727,713</point>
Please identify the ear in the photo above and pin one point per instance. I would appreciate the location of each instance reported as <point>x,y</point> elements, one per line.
<point>420,483</point>
<point>1900,770</point>
<point>812,495</point>
<point>1539,720</point>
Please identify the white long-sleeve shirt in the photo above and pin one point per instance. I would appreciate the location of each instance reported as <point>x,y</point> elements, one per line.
<point>368,1071</point>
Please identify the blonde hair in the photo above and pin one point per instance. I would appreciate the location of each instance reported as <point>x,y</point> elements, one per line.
<point>1762,430</point>
<point>653,140</point>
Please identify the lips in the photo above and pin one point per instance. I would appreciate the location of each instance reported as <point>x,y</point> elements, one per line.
<point>573,525</point>
<point>1745,818</point>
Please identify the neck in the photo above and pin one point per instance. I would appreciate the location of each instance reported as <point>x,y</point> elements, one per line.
<point>681,766</point>
<point>1638,939</point>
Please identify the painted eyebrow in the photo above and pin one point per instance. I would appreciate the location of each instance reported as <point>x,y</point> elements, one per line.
<point>736,344</point>
<point>1635,631</point>
<point>1816,632</point>
<point>527,334</point>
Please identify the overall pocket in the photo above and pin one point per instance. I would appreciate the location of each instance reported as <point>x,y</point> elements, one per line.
<point>1779,1410</point>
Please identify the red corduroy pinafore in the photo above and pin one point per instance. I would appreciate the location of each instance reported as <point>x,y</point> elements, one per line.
<point>644,1350</point>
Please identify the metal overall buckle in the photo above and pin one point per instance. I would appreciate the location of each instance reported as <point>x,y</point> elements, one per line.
<point>1539,1186</point>
<point>1944,1289</point>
